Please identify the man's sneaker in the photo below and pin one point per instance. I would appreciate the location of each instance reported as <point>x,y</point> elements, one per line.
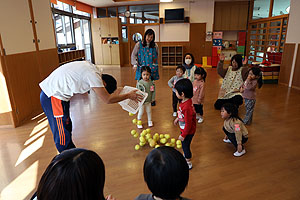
<point>150,123</point>
<point>238,154</point>
<point>226,141</point>
<point>200,120</point>
<point>139,126</point>
<point>174,114</point>
<point>190,165</point>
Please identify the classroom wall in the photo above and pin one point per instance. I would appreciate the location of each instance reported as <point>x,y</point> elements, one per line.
<point>198,11</point>
<point>290,65</point>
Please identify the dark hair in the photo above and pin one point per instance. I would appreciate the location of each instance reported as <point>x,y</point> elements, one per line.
<point>152,43</point>
<point>145,69</point>
<point>193,59</point>
<point>166,172</point>
<point>75,174</point>
<point>239,59</point>
<point>181,67</point>
<point>257,72</point>
<point>201,71</point>
<point>184,86</point>
<point>110,83</point>
<point>232,110</point>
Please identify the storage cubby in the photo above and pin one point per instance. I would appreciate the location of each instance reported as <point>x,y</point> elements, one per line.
<point>171,55</point>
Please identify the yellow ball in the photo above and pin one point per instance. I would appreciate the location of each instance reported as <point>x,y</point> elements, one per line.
<point>148,130</point>
<point>134,121</point>
<point>136,135</point>
<point>179,146</point>
<point>133,132</point>
<point>178,142</point>
<point>130,114</point>
<point>139,122</point>
<point>137,147</point>
<point>163,140</point>
<point>161,136</point>
<point>156,146</point>
<point>157,135</point>
<point>148,136</point>
<point>152,143</point>
<point>172,144</point>
<point>142,144</point>
<point>142,139</point>
<point>168,144</point>
<point>167,136</point>
<point>173,140</point>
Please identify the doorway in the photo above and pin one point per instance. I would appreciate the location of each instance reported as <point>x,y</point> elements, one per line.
<point>135,34</point>
<point>197,40</point>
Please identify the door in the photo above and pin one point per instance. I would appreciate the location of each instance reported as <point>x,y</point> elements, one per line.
<point>134,29</point>
<point>115,54</point>
<point>106,52</point>
<point>44,27</point>
<point>114,27</point>
<point>197,40</point>
<point>104,27</point>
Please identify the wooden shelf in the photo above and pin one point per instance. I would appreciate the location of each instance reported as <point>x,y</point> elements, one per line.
<point>70,56</point>
<point>172,55</point>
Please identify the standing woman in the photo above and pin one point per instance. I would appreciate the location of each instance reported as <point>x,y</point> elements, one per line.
<point>145,53</point>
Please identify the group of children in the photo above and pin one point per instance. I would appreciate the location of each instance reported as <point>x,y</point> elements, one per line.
<point>188,88</point>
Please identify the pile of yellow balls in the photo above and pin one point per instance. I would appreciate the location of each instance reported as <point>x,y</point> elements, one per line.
<point>154,141</point>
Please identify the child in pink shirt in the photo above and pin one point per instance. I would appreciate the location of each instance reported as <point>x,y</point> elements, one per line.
<point>198,88</point>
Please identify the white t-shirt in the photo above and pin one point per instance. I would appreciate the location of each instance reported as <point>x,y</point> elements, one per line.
<point>72,78</point>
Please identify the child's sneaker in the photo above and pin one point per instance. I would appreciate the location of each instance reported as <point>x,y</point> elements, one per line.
<point>189,164</point>
<point>150,123</point>
<point>139,126</point>
<point>238,154</point>
<point>174,114</point>
<point>200,120</point>
<point>226,141</point>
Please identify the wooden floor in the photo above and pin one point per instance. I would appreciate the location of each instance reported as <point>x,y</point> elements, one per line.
<point>269,170</point>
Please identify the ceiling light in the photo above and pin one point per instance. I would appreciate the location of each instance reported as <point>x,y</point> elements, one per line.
<point>165,1</point>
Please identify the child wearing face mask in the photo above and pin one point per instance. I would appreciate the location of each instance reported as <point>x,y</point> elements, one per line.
<point>188,63</point>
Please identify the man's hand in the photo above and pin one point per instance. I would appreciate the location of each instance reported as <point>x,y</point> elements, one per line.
<point>133,95</point>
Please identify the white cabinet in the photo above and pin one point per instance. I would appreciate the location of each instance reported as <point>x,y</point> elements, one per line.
<point>105,33</point>
<point>45,31</point>
<point>16,28</point>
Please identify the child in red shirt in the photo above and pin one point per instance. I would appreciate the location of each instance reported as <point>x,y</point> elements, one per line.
<point>186,117</point>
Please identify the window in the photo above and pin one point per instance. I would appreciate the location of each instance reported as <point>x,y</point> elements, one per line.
<point>281,7</point>
<point>63,29</point>
<point>112,12</point>
<point>261,9</point>
<point>101,12</point>
<point>121,12</point>
<point>142,14</point>
<point>124,34</point>
<point>72,28</point>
